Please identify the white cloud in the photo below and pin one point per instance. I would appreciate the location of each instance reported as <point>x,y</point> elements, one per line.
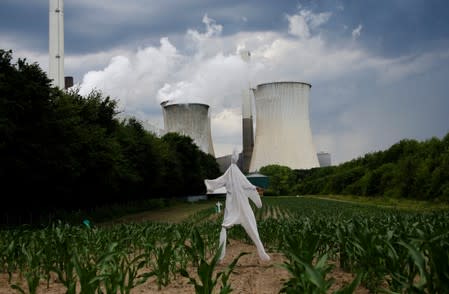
<point>212,29</point>
<point>318,19</point>
<point>301,24</point>
<point>135,77</point>
<point>227,123</point>
<point>298,26</point>
<point>227,131</point>
<point>215,81</point>
<point>75,65</point>
<point>357,32</point>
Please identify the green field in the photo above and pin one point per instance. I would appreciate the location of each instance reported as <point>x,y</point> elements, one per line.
<point>388,249</point>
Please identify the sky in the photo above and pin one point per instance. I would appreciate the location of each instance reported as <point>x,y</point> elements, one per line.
<point>379,69</point>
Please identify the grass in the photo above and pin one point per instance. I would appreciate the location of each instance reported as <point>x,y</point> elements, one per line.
<point>405,204</point>
<point>181,210</point>
<point>175,213</point>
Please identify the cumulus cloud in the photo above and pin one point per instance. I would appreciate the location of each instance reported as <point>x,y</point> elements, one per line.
<point>215,81</point>
<point>301,24</point>
<point>135,77</point>
<point>357,32</point>
<point>212,29</point>
<point>208,68</point>
<point>297,26</point>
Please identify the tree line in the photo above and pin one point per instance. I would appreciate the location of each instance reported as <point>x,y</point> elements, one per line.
<point>408,169</point>
<point>62,150</point>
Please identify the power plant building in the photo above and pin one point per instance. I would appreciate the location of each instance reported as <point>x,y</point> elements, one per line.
<point>324,159</point>
<point>189,119</point>
<point>283,133</point>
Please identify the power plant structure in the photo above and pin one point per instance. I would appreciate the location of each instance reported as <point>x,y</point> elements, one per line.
<point>247,131</point>
<point>56,43</point>
<point>324,158</point>
<point>247,120</point>
<point>189,119</point>
<point>283,134</point>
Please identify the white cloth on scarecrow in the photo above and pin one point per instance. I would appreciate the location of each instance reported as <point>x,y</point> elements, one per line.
<point>237,208</point>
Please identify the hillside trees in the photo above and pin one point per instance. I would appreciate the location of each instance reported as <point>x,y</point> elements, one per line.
<point>281,179</point>
<point>408,169</point>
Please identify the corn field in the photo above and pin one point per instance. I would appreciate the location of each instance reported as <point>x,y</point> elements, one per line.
<point>389,251</point>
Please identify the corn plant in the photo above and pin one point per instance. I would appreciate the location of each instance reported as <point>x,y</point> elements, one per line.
<point>307,278</point>
<point>86,269</point>
<point>119,273</point>
<point>9,254</point>
<point>205,269</point>
<point>434,245</point>
<point>300,251</point>
<point>407,250</point>
<point>32,272</point>
<point>225,286</point>
<point>163,261</point>
<point>60,247</point>
<point>369,253</point>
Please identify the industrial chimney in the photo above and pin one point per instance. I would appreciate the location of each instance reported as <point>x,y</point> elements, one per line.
<point>56,43</point>
<point>247,120</point>
<point>283,134</point>
<point>247,130</point>
<point>189,119</point>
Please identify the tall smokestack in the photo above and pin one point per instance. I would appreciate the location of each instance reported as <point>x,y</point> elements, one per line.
<point>247,121</point>
<point>56,43</point>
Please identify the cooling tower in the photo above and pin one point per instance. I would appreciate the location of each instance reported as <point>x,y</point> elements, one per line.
<point>283,134</point>
<point>190,119</point>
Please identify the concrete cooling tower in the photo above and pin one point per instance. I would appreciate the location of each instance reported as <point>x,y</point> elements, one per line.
<point>189,119</point>
<point>283,134</point>
<point>324,158</point>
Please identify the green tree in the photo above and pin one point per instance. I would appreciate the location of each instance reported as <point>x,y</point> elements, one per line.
<point>189,164</point>
<point>281,179</point>
<point>26,125</point>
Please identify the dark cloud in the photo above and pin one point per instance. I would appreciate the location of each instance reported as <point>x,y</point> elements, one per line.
<point>390,27</point>
<point>25,22</point>
<point>395,27</point>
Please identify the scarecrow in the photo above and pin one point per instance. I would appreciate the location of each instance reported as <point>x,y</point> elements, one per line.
<point>237,207</point>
